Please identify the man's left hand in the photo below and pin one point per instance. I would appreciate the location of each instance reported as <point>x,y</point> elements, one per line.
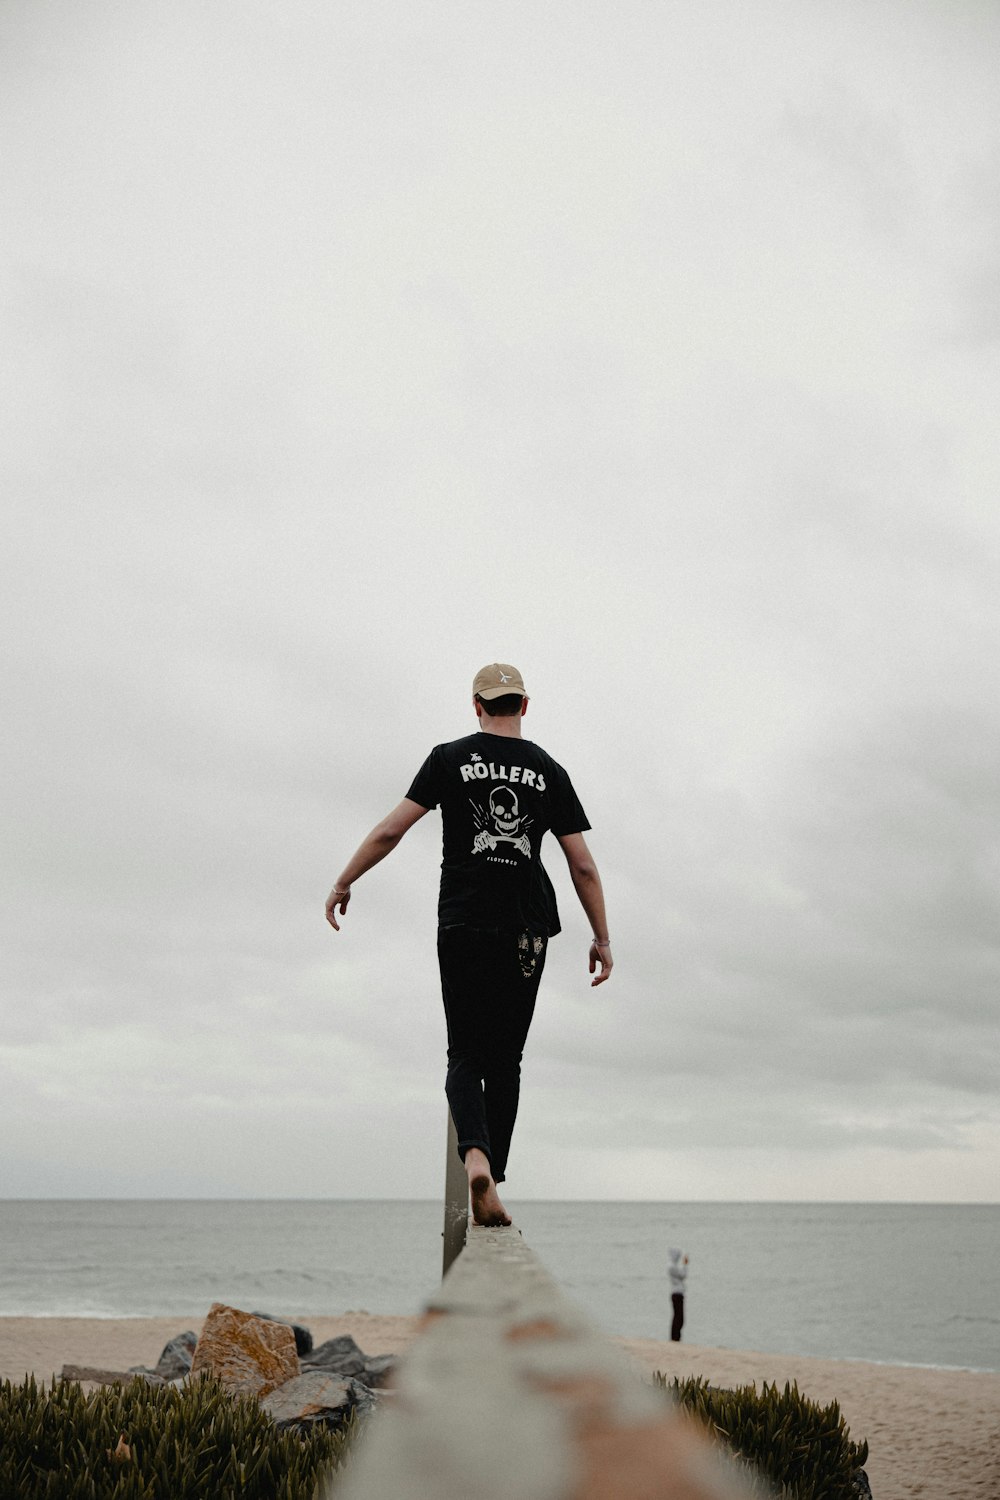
<point>336,898</point>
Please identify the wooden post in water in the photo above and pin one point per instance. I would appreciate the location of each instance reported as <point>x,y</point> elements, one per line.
<point>456,1200</point>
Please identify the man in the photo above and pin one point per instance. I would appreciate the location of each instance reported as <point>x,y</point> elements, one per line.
<point>498,794</point>
<point>678,1269</point>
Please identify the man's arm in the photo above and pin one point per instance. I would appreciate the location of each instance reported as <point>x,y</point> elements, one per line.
<point>587,883</point>
<point>381,841</point>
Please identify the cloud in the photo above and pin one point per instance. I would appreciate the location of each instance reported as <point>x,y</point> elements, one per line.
<point>340,363</point>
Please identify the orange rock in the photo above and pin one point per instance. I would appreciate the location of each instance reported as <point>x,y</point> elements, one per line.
<point>249,1355</point>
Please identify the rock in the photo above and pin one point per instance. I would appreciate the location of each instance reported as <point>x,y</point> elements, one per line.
<point>316,1399</point>
<point>860,1488</point>
<point>109,1377</point>
<point>176,1358</point>
<point>303,1338</point>
<point>248,1355</point>
<point>379,1370</point>
<point>340,1356</point>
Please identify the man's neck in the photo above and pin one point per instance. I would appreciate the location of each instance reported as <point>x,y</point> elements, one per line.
<point>509,728</point>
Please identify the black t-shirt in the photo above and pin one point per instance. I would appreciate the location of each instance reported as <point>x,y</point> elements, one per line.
<point>498,796</point>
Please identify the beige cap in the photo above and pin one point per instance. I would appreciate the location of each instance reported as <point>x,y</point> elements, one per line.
<point>496,679</point>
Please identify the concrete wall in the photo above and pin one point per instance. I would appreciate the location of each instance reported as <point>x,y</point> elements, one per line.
<point>511,1391</point>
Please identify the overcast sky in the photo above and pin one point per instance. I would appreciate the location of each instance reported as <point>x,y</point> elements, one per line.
<point>652,347</point>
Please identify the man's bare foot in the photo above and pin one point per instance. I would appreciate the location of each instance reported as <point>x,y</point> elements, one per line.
<point>486,1206</point>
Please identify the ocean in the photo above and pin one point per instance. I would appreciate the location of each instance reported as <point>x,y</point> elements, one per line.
<point>893,1283</point>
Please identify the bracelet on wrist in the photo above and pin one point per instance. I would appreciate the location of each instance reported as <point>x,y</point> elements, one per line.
<point>598,944</point>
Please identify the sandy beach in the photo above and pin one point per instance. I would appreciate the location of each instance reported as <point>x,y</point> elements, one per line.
<point>932,1433</point>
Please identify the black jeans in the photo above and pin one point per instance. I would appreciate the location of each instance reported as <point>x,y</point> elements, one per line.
<point>489,980</point>
<point>677,1298</point>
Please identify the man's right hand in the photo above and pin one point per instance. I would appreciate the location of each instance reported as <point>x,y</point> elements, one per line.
<point>601,954</point>
<point>337,898</point>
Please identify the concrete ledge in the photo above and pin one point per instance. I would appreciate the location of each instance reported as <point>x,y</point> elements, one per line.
<point>511,1390</point>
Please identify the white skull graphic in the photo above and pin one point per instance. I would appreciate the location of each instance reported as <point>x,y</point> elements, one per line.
<point>503,810</point>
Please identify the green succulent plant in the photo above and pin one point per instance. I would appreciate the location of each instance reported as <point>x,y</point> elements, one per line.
<point>802,1450</point>
<point>134,1441</point>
